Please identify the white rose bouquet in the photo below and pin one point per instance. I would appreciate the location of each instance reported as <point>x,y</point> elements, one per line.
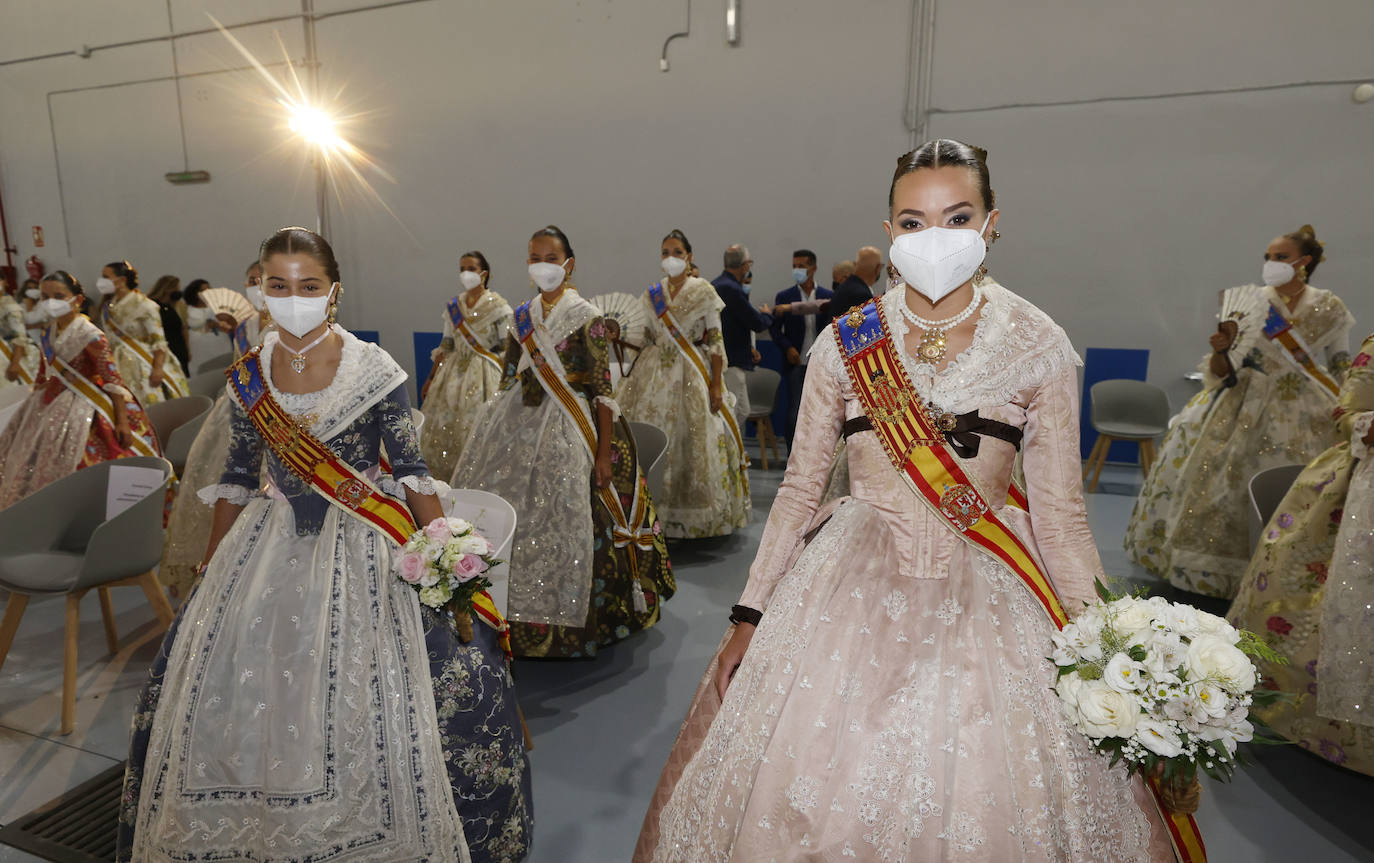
<point>1162,686</point>
<point>446,561</point>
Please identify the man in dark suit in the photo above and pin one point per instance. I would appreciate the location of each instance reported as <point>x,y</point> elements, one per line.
<point>795,333</point>
<point>737,321</point>
<point>858,288</point>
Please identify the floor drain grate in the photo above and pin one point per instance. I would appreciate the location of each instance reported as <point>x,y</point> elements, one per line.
<point>78,827</point>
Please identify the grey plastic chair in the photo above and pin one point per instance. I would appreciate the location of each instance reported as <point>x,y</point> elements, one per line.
<point>1128,411</point>
<point>651,442</point>
<point>57,542</point>
<point>215,363</point>
<point>763,396</point>
<point>178,447</point>
<point>209,384</point>
<point>167,416</point>
<point>1267,489</point>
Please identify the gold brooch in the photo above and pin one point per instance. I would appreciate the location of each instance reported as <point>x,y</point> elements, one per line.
<point>855,319</point>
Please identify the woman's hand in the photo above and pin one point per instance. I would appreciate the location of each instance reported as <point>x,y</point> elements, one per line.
<point>731,655</point>
<point>124,434</point>
<point>1369,438</point>
<point>12,372</point>
<point>1224,337</point>
<point>602,470</point>
<point>717,393</point>
<point>155,379</point>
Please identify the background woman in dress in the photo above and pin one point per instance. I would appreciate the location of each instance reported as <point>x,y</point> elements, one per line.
<point>884,694</point>
<point>58,430</point>
<point>1189,523</point>
<point>589,565</point>
<point>133,324</point>
<point>464,376</point>
<point>706,481</point>
<point>1307,589</point>
<point>312,683</point>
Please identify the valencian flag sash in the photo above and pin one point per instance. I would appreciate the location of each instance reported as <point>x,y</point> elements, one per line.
<point>460,326</point>
<point>8,354</point>
<point>316,464</point>
<point>1280,330</point>
<point>628,529</point>
<point>915,444</point>
<point>660,304</point>
<point>99,400</point>
<point>139,350</point>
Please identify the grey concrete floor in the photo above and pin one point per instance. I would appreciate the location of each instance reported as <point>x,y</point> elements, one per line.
<point>603,728</point>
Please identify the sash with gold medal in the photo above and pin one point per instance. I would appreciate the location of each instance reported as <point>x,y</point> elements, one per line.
<point>1279,330</point>
<point>914,442</point>
<point>665,314</point>
<point>460,326</point>
<point>627,528</point>
<point>316,464</point>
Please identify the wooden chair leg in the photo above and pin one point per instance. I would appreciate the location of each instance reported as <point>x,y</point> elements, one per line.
<point>107,615</point>
<point>762,435</point>
<point>772,438</point>
<point>1147,456</point>
<point>1092,456</point>
<point>14,609</point>
<point>73,630</point>
<point>1101,460</point>
<point>157,597</point>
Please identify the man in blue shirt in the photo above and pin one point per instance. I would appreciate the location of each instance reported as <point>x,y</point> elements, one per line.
<point>795,333</point>
<point>737,321</point>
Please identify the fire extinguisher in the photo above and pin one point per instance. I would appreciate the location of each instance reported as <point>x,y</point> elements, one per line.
<point>34,267</point>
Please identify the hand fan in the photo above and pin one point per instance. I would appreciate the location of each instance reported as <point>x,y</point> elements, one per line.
<point>223,301</point>
<point>629,313</point>
<point>1246,307</point>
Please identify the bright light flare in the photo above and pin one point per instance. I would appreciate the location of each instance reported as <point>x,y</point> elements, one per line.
<point>315,125</point>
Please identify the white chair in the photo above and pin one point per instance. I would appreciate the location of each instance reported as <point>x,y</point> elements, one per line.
<point>651,443</point>
<point>1267,489</point>
<point>763,395</point>
<point>166,417</point>
<point>59,542</point>
<point>495,520</point>
<point>209,383</point>
<point>216,363</point>
<point>1125,410</point>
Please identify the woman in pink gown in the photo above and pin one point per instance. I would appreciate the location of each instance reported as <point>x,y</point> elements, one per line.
<point>884,694</point>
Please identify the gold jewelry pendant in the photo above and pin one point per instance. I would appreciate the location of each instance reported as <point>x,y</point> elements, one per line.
<point>298,363</point>
<point>932,348</point>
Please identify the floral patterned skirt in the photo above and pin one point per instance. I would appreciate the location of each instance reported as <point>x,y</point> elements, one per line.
<point>617,573</point>
<point>1281,599</point>
<point>881,717</point>
<point>188,528</point>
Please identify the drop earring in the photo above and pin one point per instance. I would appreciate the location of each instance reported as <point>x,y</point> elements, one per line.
<point>980,275</point>
<point>1302,272</point>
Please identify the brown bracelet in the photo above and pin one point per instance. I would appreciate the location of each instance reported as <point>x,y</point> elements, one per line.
<point>745,614</point>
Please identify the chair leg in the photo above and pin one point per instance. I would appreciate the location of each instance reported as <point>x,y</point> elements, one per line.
<point>14,609</point>
<point>1101,460</point>
<point>1147,456</point>
<point>157,597</point>
<point>73,630</point>
<point>761,429</point>
<point>107,615</point>
<point>1092,456</point>
<point>772,438</point>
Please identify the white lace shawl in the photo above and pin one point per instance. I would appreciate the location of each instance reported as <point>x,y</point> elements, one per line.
<point>1015,346</point>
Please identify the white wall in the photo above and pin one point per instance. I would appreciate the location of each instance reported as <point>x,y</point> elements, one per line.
<point>1123,219</point>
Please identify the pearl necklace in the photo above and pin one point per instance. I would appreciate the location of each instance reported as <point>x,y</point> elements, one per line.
<point>298,357</point>
<point>933,344</point>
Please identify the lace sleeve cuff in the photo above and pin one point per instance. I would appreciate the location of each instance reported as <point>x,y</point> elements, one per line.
<point>1358,448</point>
<point>117,390</point>
<point>236,494</point>
<point>418,483</point>
<point>609,403</point>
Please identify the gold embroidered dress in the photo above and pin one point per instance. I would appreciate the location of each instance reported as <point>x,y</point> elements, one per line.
<point>1311,576</point>
<point>705,492</point>
<point>895,701</point>
<point>1190,522</point>
<point>16,337</point>
<point>464,381</point>
<point>139,319</point>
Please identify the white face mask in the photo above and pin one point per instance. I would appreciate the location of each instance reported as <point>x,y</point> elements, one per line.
<point>935,261</point>
<point>469,279</point>
<point>299,315</point>
<point>254,295</point>
<point>1277,273</point>
<point>674,266</point>
<point>33,294</point>
<point>53,309</point>
<point>105,286</point>
<point>196,318</point>
<point>799,276</point>
<point>548,277</point>
<point>35,317</point>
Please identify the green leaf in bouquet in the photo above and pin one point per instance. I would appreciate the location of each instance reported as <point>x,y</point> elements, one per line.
<point>1137,653</point>
<point>1067,669</point>
<point>1252,645</point>
<point>1089,672</point>
<point>1103,592</point>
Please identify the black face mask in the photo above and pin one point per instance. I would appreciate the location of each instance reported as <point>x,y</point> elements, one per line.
<point>174,296</point>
